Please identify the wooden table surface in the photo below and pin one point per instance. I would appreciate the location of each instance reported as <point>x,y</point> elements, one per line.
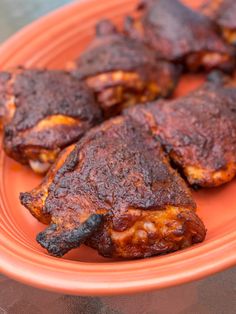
<point>213,295</point>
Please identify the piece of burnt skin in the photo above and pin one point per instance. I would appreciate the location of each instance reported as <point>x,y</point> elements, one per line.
<point>59,242</point>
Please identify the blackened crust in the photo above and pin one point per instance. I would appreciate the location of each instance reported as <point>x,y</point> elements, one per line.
<point>111,51</point>
<point>175,31</point>
<point>121,166</point>
<point>197,130</point>
<point>40,95</point>
<point>59,243</point>
<point>117,170</point>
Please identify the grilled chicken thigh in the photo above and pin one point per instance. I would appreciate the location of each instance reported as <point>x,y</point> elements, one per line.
<point>223,13</point>
<point>116,192</point>
<point>180,34</point>
<point>123,71</point>
<point>42,112</point>
<point>198,132</point>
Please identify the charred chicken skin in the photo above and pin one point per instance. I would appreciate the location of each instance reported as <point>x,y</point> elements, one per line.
<point>180,34</point>
<point>42,112</point>
<point>198,132</point>
<point>122,71</point>
<point>116,192</point>
<point>223,13</point>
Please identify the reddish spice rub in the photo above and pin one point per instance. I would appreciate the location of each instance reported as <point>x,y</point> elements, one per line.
<point>42,112</point>
<point>198,132</point>
<point>123,71</point>
<point>178,33</point>
<point>117,188</point>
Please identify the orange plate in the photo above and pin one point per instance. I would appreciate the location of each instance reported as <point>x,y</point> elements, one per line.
<point>51,42</point>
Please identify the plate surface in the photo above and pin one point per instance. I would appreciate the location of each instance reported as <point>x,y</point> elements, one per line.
<point>51,42</point>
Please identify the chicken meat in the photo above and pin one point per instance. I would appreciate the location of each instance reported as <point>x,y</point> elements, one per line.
<point>116,192</point>
<point>180,34</point>
<point>123,72</point>
<point>41,112</point>
<point>198,132</point>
